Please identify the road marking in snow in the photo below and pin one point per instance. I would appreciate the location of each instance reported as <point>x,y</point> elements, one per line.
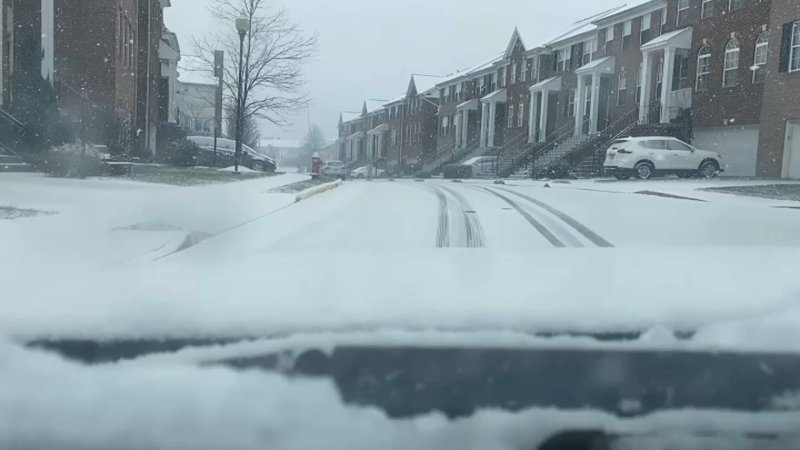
<point>443,232</point>
<point>536,224</point>
<point>475,237</point>
<point>581,228</point>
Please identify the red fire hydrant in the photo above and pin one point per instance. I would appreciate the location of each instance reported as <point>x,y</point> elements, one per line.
<point>316,165</point>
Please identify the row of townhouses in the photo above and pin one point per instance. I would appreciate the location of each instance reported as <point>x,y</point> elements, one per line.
<point>723,74</point>
<point>110,65</point>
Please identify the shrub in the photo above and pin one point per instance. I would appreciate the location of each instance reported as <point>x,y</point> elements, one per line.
<point>71,161</point>
<point>182,153</point>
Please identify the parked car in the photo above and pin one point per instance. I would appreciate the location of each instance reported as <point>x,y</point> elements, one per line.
<point>482,166</point>
<point>334,169</point>
<point>645,157</point>
<point>363,172</point>
<point>226,154</point>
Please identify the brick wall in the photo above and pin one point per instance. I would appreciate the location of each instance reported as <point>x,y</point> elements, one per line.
<point>780,93</point>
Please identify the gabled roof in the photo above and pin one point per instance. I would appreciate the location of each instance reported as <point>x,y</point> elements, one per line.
<point>373,105</point>
<point>515,36</point>
<point>582,28</point>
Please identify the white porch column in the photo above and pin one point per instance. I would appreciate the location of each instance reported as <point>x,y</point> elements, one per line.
<point>457,131</point>
<point>532,118</point>
<point>543,116</point>
<point>666,83</point>
<point>580,104</point>
<point>647,76</point>
<point>48,41</point>
<point>464,127</point>
<point>594,114</point>
<point>484,123</point>
<point>492,123</point>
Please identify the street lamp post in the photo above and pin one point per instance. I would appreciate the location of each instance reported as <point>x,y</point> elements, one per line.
<point>242,26</point>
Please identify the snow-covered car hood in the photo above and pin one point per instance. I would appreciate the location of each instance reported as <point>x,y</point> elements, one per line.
<point>713,293</point>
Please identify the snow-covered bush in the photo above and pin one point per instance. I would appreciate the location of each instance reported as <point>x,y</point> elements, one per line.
<point>72,161</point>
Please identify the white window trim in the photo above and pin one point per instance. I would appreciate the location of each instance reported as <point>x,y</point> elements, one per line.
<point>627,28</point>
<point>728,53</point>
<point>703,8</point>
<point>510,119</point>
<point>521,115</point>
<point>513,73</point>
<point>730,6</point>
<point>792,46</point>
<point>762,42</point>
<point>649,19</point>
<point>700,74</point>
<point>610,34</point>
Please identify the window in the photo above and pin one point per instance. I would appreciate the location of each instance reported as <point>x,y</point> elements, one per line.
<point>707,9</point>
<point>730,73</point>
<point>760,58</point>
<point>443,94</point>
<point>655,144</point>
<point>683,7</point>
<point>680,74</point>
<point>445,125</point>
<point>794,48</point>
<point>627,30</point>
<point>451,95</point>
<point>501,77</point>
<point>589,48</point>
<point>703,68</point>
<point>663,19</point>
<point>513,73</point>
<point>569,104</point>
<point>561,57</point>
<point>609,40</point>
<point>527,74</point>
<point>459,92</point>
<point>674,144</point>
<point>521,114</point>
<point>646,34</point>
<point>510,118</point>
<point>639,85</point>
<point>622,89</point>
<point>733,5</point>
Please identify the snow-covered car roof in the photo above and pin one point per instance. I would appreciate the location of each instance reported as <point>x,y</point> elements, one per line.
<point>709,291</point>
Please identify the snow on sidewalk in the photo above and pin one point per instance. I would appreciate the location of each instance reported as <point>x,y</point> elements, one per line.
<point>100,221</point>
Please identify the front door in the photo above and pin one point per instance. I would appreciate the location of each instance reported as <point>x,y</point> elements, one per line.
<point>792,149</point>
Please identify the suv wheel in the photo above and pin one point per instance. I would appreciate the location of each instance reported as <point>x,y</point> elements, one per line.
<point>644,170</point>
<point>258,166</point>
<point>708,169</point>
<point>623,174</point>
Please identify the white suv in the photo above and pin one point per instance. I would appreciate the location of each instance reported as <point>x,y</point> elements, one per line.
<point>644,157</point>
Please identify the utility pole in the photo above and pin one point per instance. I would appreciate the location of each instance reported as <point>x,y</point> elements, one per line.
<point>219,72</point>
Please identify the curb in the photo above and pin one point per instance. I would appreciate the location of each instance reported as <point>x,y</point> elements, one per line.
<point>316,190</point>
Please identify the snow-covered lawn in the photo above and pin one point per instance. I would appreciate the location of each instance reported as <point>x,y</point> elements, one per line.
<point>101,221</point>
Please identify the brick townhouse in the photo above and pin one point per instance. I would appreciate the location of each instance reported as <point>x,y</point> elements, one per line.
<point>377,131</point>
<point>351,136</point>
<point>779,143</point>
<point>412,124</point>
<point>94,54</point>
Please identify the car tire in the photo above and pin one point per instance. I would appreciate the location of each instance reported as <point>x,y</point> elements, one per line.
<point>644,170</point>
<point>623,175</point>
<point>258,166</point>
<point>708,169</point>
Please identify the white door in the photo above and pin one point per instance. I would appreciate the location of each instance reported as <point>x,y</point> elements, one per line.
<point>683,156</point>
<point>792,149</point>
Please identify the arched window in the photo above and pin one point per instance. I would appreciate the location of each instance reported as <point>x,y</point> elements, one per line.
<point>703,68</point>
<point>730,73</point>
<point>760,58</point>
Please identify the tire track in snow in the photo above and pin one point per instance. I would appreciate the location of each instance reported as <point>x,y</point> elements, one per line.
<point>443,231</point>
<point>579,227</point>
<point>543,230</point>
<point>475,236</point>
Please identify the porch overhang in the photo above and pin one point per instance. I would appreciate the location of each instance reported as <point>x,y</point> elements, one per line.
<point>602,66</point>
<point>674,39</point>
<point>550,84</point>
<point>468,105</point>
<point>355,136</point>
<point>499,95</point>
<point>379,129</point>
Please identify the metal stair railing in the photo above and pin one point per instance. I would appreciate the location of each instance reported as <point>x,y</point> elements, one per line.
<point>599,143</point>
<point>551,141</point>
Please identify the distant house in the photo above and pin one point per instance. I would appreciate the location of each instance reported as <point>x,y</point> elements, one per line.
<point>283,151</point>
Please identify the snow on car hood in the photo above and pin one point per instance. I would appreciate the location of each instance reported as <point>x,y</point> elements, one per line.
<point>741,298</point>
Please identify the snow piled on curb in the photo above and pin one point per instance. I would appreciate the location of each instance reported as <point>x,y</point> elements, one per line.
<point>46,402</point>
<point>316,190</point>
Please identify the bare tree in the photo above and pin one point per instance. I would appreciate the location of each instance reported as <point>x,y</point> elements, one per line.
<point>314,141</point>
<point>275,51</point>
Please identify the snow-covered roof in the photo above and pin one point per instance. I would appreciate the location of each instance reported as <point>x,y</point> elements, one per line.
<point>349,116</point>
<point>679,38</point>
<point>581,28</point>
<point>426,84</point>
<point>631,9</point>
<point>461,74</point>
<point>395,100</point>
<point>374,105</point>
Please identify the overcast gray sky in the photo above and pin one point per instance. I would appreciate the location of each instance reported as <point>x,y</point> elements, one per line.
<point>369,48</point>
